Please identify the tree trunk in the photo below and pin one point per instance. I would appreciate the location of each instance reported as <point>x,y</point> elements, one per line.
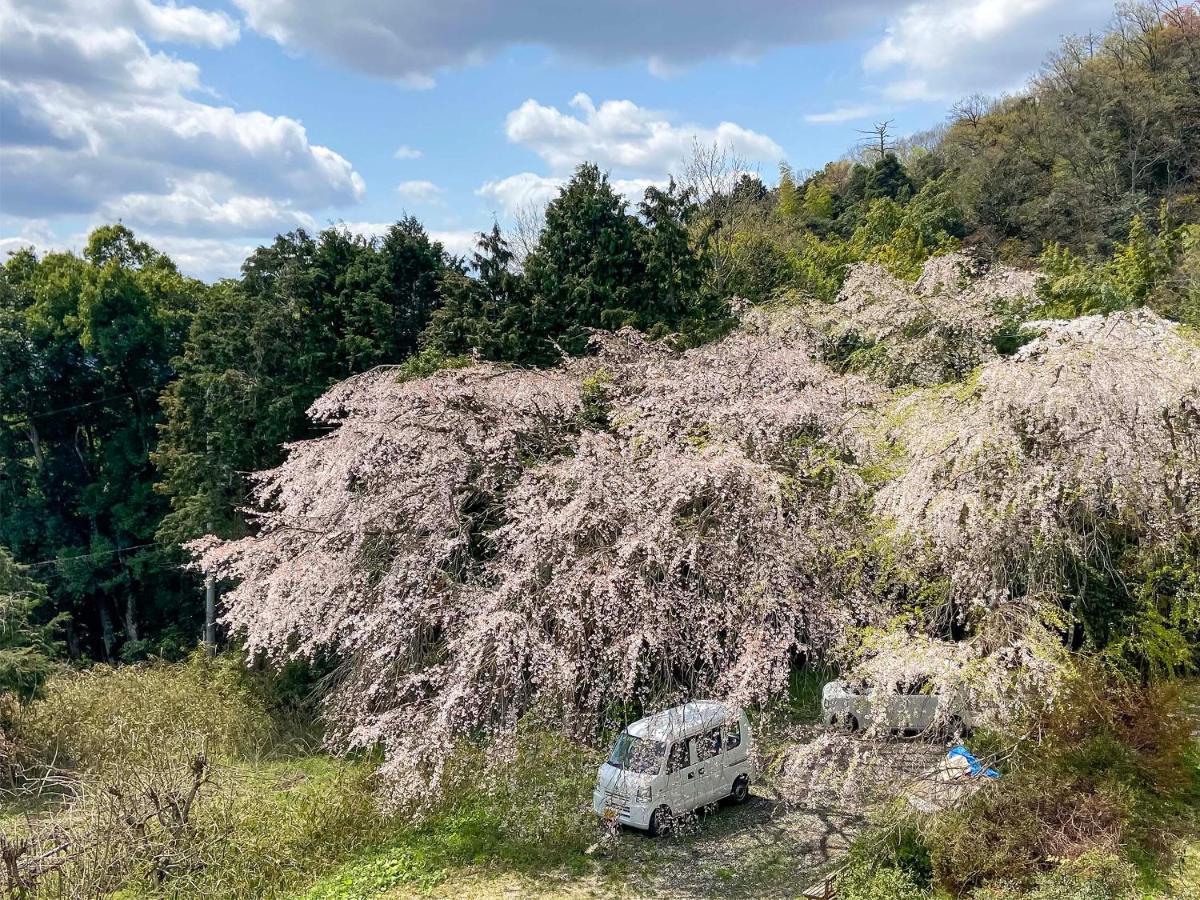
<point>107,634</point>
<point>131,628</point>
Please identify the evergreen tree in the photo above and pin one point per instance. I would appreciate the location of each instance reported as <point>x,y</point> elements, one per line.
<point>86,344</point>
<point>28,647</point>
<point>586,271</point>
<point>306,313</point>
<point>887,178</point>
<point>487,314</point>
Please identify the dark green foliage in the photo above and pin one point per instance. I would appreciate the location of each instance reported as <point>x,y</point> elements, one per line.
<point>85,349</point>
<point>306,313</point>
<point>887,178</point>
<point>489,313</point>
<point>587,270</point>
<point>679,298</point>
<point>595,267</point>
<point>28,647</point>
<point>135,400</point>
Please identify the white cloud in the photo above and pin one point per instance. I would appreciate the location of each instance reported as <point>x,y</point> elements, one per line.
<point>842,114</point>
<point>206,258</point>
<point>419,191</point>
<point>167,22</point>
<point>619,134</point>
<point>527,190</point>
<point>406,152</point>
<point>200,257</point>
<point>188,24</point>
<point>95,122</point>
<point>460,242</point>
<point>192,208</point>
<point>639,148</point>
<point>411,40</point>
<point>634,189</point>
<point>517,192</point>
<point>31,233</point>
<point>943,49</point>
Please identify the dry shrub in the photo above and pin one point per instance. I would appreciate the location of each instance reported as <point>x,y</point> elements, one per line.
<point>180,825</point>
<point>107,717</point>
<point>1108,771</point>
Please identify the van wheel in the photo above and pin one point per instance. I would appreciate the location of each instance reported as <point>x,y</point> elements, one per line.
<point>741,790</point>
<point>660,822</point>
<point>850,724</point>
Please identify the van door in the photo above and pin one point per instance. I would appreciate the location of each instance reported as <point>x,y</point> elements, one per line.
<point>709,769</point>
<point>681,777</point>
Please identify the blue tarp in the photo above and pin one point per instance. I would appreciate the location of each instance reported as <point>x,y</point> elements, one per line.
<point>974,766</point>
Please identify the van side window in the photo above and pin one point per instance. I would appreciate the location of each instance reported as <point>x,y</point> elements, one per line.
<point>709,744</point>
<point>733,734</point>
<point>678,758</point>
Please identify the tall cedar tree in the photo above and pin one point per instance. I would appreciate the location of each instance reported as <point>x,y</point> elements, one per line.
<point>307,312</point>
<point>85,350</point>
<point>487,313</point>
<point>587,270</point>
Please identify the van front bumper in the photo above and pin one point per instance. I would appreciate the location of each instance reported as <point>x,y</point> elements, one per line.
<point>625,810</point>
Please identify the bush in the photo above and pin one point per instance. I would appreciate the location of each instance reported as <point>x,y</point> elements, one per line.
<point>538,802</point>
<point>179,825</point>
<point>1110,771</point>
<point>867,882</point>
<point>532,813</point>
<point>1094,876</point>
<point>108,717</point>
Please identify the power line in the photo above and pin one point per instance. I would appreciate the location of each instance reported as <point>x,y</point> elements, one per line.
<point>60,559</point>
<point>54,412</point>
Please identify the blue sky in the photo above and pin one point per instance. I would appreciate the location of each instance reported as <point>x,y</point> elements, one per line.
<point>208,128</point>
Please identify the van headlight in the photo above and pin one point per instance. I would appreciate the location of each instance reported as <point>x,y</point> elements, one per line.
<point>643,794</point>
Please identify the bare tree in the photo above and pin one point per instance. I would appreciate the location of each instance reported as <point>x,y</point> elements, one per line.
<point>711,174</point>
<point>527,224</point>
<point>878,139</point>
<point>971,109</point>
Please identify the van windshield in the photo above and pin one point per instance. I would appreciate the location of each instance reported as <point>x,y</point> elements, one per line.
<point>635,754</point>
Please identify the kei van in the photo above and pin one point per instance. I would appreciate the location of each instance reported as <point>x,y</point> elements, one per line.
<point>673,762</point>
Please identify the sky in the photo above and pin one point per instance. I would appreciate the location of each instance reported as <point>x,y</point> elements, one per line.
<point>210,128</point>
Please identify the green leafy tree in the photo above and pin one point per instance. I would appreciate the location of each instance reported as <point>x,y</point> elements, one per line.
<point>587,269</point>
<point>308,311</point>
<point>1139,269</point>
<point>28,647</point>
<point>818,201</point>
<point>789,204</point>
<point>85,349</point>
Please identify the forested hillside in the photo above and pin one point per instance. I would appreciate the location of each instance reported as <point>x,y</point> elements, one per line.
<point>929,415</point>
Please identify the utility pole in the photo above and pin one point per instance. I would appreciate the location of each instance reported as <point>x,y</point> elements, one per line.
<point>210,614</point>
<point>210,586</point>
<point>210,610</point>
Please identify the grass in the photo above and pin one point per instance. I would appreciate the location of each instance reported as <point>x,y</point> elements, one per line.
<point>804,694</point>
<point>287,823</point>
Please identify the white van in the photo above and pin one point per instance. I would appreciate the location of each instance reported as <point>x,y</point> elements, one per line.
<point>901,708</point>
<point>673,762</point>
